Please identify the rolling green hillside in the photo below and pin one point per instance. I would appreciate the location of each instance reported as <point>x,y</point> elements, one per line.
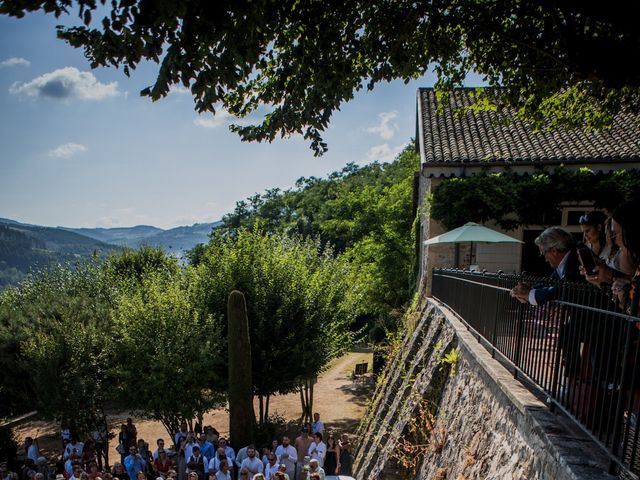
<point>25,247</point>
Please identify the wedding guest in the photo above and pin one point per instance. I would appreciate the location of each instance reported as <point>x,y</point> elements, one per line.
<point>346,459</point>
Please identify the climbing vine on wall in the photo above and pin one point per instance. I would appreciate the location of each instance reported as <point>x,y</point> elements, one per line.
<point>508,198</point>
<point>421,436</point>
<point>422,433</point>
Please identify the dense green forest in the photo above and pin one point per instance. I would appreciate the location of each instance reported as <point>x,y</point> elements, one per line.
<point>365,214</point>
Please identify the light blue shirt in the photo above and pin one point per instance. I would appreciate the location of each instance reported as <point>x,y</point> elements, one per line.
<point>133,465</point>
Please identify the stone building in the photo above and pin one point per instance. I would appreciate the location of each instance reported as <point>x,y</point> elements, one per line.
<point>456,142</point>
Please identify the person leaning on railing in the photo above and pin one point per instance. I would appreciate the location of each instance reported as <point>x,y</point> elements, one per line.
<point>558,248</point>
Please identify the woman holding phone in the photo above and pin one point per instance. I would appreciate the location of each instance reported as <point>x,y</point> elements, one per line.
<point>593,226</point>
<point>625,229</point>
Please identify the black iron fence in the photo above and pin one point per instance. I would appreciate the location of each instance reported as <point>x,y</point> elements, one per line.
<point>582,349</point>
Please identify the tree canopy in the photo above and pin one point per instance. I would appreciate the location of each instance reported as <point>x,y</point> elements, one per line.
<point>506,198</point>
<point>53,347</point>
<point>365,214</point>
<point>300,305</point>
<point>559,62</point>
<point>165,351</point>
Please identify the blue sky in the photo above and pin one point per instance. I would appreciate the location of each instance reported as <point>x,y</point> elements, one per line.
<point>81,148</point>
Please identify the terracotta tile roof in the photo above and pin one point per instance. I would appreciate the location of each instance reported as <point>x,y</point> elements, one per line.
<point>449,139</point>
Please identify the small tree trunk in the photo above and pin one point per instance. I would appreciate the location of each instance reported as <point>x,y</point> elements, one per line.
<point>105,428</point>
<point>310,399</point>
<point>266,408</point>
<point>261,409</point>
<point>305,399</point>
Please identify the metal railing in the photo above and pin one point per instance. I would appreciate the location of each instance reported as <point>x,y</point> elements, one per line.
<point>581,349</point>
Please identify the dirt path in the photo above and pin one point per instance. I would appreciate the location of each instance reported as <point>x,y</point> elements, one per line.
<point>337,397</point>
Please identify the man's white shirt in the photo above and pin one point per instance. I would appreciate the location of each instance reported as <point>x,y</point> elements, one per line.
<point>317,427</point>
<point>230,453</point>
<point>292,458</point>
<point>214,464</point>
<point>318,451</point>
<point>188,449</point>
<point>79,447</point>
<point>254,465</point>
<point>33,453</point>
<point>271,470</point>
<point>205,462</point>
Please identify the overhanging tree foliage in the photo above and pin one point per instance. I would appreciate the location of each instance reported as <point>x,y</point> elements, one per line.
<point>302,59</point>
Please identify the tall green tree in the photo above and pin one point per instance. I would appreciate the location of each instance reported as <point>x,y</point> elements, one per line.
<point>302,60</point>
<point>166,351</point>
<point>300,304</point>
<point>61,320</point>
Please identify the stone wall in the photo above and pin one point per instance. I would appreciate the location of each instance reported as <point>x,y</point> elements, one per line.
<point>487,425</point>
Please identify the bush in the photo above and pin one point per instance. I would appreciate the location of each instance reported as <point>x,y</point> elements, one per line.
<point>8,448</point>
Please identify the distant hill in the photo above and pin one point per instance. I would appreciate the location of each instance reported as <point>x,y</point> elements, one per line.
<point>176,240</point>
<point>24,246</point>
<point>180,239</point>
<point>122,236</point>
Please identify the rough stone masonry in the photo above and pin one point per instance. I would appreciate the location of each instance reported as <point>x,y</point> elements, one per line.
<point>487,425</point>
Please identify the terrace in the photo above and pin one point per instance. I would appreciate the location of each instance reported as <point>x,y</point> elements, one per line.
<point>579,351</point>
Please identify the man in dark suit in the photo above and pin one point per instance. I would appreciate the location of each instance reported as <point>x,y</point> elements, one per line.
<point>575,331</point>
<point>558,248</point>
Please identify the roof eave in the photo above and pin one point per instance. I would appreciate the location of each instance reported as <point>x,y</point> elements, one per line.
<point>440,169</point>
<point>420,127</point>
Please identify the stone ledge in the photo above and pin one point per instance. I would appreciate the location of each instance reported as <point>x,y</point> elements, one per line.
<point>580,457</point>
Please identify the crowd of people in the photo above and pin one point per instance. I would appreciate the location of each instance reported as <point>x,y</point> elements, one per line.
<point>199,454</point>
<point>592,346</point>
<point>612,242</point>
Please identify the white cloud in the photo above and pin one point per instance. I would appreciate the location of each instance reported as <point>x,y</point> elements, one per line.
<point>67,150</point>
<point>67,82</point>
<point>14,62</point>
<point>222,117</point>
<point>179,89</point>
<point>121,217</point>
<point>107,222</point>
<point>384,153</point>
<point>386,128</point>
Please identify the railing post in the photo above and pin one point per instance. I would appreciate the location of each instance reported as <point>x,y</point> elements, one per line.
<point>494,328</point>
<point>617,419</point>
<point>517,353</point>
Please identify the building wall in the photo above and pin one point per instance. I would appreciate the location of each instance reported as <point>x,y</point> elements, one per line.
<point>505,257</point>
<point>500,256</point>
